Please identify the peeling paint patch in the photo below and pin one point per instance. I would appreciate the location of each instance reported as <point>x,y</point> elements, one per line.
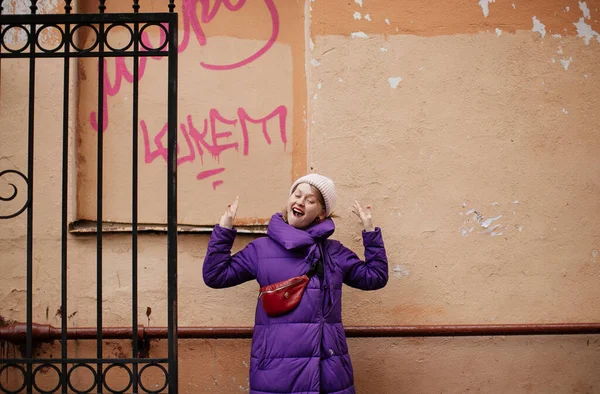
<point>357,16</point>
<point>484,4</point>
<point>560,51</point>
<point>498,32</point>
<point>315,62</point>
<point>538,27</point>
<point>584,30</point>
<point>382,49</point>
<point>514,7</point>
<point>489,221</point>
<point>394,82</point>
<point>567,9</point>
<point>358,34</point>
<point>387,21</point>
<point>315,97</point>
<point>565,62</point>
<point>359,2</point>
<point>368,17</point>
<point>474,219</point>
<point>400,271</point>
<point>565,111</point>
<point>319,85</point>
<point>584,8</point>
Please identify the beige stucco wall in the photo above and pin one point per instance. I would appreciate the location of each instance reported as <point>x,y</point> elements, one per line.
<point>472,131</point>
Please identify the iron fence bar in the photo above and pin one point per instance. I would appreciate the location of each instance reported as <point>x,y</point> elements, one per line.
<point>30,171</point>
<point>101,52</point>
<point>134,219</point>
<point>86,360</point>
<point>43,19</point>
<point>65,191</point>
<point>99,185</point>
<point>5,55</point>
<point>172,201</point>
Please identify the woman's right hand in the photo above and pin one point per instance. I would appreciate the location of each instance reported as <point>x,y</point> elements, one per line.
<point>229,215</point>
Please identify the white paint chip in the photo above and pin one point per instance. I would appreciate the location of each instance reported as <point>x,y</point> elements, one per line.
<point>396,29</point>
<point>315,97</point>
<point>358,34</point>
<point>319,85</point>
<point>394,81</point>
<point>315,62</point>
<point>484,4</point>
<point>584,30</point>
<point>565,62</point>
<point>382,49</point>
<point>387,21</point>
<point>514,8</point>
<point>312,45</point>
<point>400,271</point>
<point>359,2</point>
<point>565,111</point>
<point>560,51</point>
<point>368,17</point>
<point>489,221</point>
<point>584,8</point>
<point>516,202</point>
<point>556,35</point>
<point>539,27</point>
<point>357,16</point>
<point>498,32</point>
<point>567,9</point>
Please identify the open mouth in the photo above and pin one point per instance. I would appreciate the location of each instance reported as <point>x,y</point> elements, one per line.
<point>297,212</point>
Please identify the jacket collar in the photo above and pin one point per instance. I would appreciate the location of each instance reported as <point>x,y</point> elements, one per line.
<point>291,238</point>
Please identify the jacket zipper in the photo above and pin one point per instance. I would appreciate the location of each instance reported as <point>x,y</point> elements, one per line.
<point>279,288</point>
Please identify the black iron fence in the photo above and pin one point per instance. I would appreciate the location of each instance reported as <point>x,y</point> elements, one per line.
<point>67,26</point>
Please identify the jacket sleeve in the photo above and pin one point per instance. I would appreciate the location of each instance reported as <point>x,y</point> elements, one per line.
<point>220,268</point>
<point>371,274</point>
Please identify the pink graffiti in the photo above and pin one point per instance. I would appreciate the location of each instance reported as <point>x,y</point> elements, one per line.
<point>190,23</point>
<point>190,20</point>
<point>196,143</point>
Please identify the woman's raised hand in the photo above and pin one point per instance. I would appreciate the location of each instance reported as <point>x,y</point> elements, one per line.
<point>229,215</point>
<point>364,215</point>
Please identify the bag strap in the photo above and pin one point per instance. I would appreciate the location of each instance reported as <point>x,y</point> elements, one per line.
<point>315,266</point>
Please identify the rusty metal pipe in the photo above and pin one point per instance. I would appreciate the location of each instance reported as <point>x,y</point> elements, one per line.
<point>16,332</point>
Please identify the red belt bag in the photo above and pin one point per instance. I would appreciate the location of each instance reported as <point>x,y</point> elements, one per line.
<point>283,297</point>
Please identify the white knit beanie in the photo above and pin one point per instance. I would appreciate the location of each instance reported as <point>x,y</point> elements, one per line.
<point>324,185</point>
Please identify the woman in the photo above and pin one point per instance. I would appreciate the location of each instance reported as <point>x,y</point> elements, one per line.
<point>304,350</point>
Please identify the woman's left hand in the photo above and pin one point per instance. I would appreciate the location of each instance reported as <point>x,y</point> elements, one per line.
<point>364,215</point>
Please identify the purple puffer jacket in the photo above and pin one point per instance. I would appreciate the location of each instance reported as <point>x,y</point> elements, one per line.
<point>304,351</point>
